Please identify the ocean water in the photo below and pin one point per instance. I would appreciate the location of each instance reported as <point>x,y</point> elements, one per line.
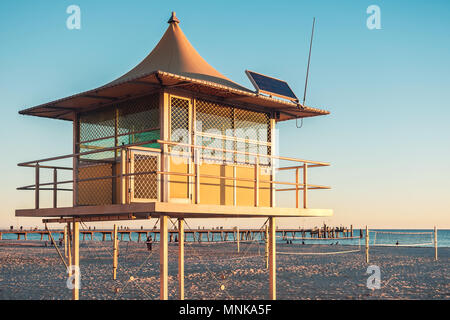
<point>377,237</point>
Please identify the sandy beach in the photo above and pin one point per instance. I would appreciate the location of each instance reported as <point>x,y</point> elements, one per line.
<point>29,270</point>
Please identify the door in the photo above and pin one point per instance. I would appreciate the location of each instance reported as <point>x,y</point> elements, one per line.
<point>180,156</point>
<point>144,180</point>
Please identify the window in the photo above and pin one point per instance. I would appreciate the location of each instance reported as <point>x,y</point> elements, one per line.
<point>225,127</point>
<point>127,123</point>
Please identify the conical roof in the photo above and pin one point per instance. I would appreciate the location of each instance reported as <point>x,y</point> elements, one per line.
<point>175,54</point>
<point>172,63</point>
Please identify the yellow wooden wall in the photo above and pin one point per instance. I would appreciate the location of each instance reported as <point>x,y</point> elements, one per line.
<point>220,191</point>
<point>95,192</point>
<point>178,185</point>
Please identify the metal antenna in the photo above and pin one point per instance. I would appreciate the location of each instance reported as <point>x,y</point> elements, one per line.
<point>307,69</point>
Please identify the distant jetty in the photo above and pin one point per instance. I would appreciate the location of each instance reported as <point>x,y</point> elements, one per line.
<point>199,234</point>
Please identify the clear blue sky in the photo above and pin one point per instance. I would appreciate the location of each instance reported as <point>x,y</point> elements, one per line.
<point>388,90</point>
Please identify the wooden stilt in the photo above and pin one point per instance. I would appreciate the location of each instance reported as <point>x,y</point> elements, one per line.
<point>297,176</point>
<point>272,260</point>
<point>76,260</point>
<point>266,251</point>
<point>163,258</point>
<point>115,252</point>
<point>69,248</point>
<point>181,258</point>
<point>197,176</point>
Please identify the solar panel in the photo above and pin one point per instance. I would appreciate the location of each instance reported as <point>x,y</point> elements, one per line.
<point>271,86</point>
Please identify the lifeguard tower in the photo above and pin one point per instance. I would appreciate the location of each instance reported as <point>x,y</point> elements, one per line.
<point>175,138</point>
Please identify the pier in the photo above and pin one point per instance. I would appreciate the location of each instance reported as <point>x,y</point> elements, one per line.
<point>198,235</point>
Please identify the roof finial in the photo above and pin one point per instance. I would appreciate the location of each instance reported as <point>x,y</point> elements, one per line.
<point>173,18</point>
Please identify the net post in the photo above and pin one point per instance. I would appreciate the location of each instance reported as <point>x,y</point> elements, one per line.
<point>435,245</point>
<point>115,252</point>
<point>367,244</point>
<point>237,238</point>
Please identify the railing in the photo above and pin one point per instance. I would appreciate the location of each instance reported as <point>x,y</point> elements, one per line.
<point>194,154</point>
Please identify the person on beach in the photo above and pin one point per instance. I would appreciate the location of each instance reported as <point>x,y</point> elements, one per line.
<point>149,243</point>
<point>396,243</point>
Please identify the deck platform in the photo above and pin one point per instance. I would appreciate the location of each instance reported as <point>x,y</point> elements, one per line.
<point>175,210</point>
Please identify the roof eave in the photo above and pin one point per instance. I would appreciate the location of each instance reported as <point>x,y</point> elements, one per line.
<point>96,94</point>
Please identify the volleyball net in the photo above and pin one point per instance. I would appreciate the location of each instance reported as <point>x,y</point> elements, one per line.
<point>401,239</point>
<point>385,238</point>
<point>319,246</point>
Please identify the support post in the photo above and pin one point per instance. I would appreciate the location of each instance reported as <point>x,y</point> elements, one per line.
<point>297,172</point>
<point>367,244</point>
<point>435,245</point>
<point>65,241</point>
<point>36,188</point>
<point>123,177</point>
<point>266,251</point>
<point>76,260</point>
<point>181,258</point>
<point>272,260</point>
<point>69,247</point>
<point>256,181</point>
<point>115,252</point>
<point>163,258</point>
<point>238,239</point>
<point>197,176</point>
<point>55,188</point>
<point>76,149</point>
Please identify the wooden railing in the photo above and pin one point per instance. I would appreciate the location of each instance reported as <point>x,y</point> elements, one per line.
<point>194,153</point>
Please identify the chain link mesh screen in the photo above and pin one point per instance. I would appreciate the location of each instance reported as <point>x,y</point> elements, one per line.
<point>145,186</point>
<point>136,116</point>
<point>226,127</point>
<point>126,123</point>
<point>179,121</point>
<point>97,130</point>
